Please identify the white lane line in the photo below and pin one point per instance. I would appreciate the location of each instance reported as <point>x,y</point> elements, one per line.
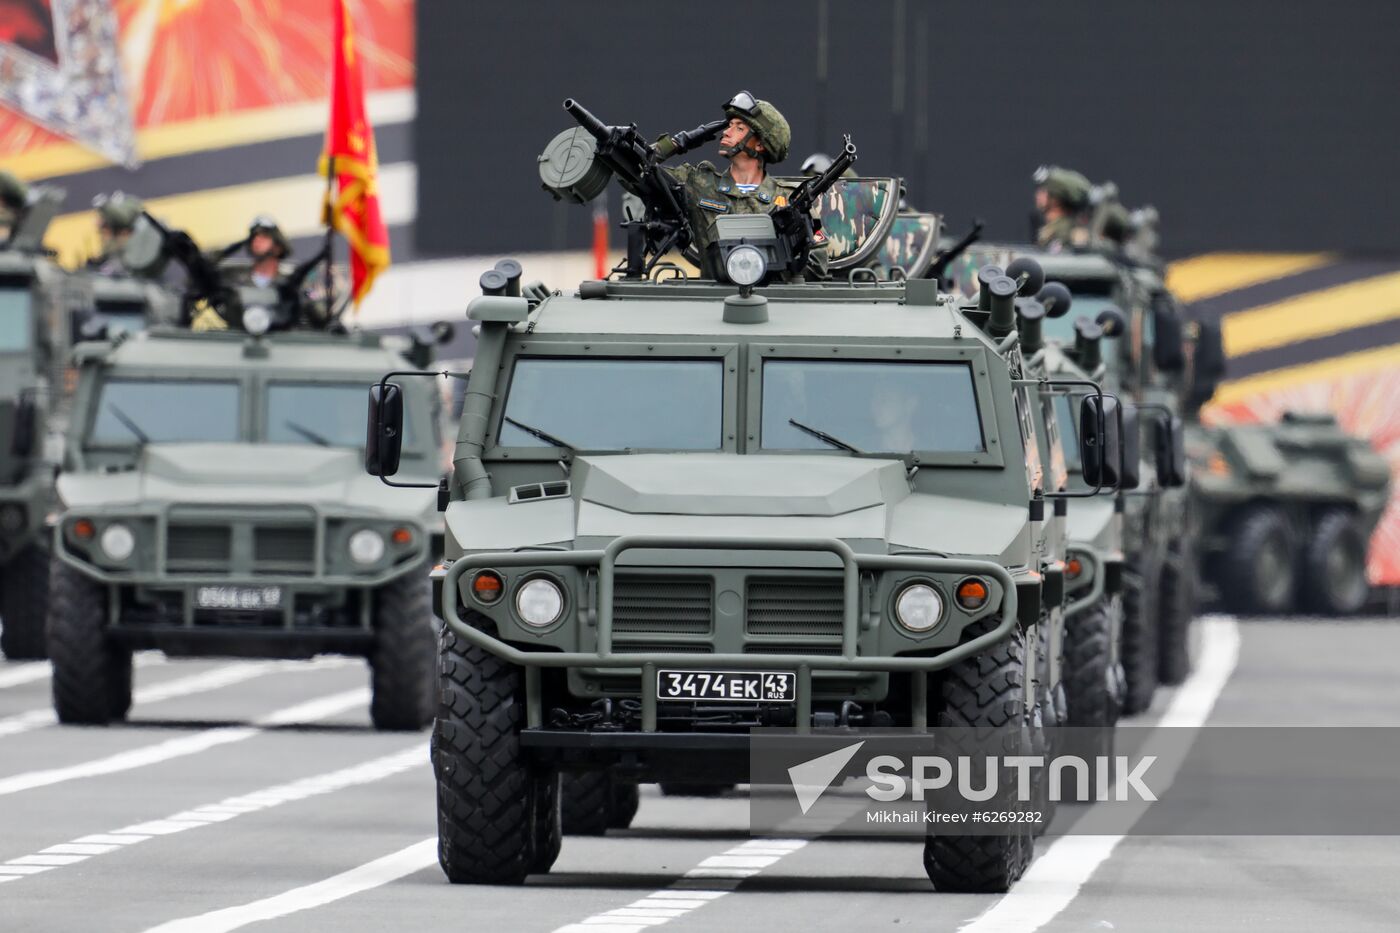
<point>26,673</point>
<point>719,875</point>
<point>370,875</point>
<point>308,712</point>
<point>87,847</point>
<point>1055,879</point>
<point>224,676</point>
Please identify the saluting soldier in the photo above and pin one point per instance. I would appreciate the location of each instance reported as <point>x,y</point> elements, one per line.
<point>1061,198</point>
<point>756,137</point>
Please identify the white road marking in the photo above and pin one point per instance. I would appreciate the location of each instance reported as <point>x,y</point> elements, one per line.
<point>26,673</point>
<point>223,676</point>
<point>1055,878</point>
<point>308,712</point>
<point>80,850</point>
<point>366,877</point>
<point>720,874</point>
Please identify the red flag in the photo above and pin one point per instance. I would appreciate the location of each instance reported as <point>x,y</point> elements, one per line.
<point>354,210</point>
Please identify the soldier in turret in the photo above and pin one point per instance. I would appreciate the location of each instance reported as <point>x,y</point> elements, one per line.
<point>756,136</point>
<point>1061,198</point>
<point>116,219</point>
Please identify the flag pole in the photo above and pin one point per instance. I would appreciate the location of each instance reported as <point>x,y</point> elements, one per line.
<point>330,238</point>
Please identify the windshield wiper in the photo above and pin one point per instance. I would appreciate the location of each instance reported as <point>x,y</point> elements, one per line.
<point>542,435</point>
<point>823,436</point>
<point>309,434</point>
<point>129,423</point>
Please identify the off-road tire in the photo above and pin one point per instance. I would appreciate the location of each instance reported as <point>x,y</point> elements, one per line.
<point>1258,574</point>
<point>24,605</point>
<point>681,789</point>
<point>1176,606</point>
<point>549,832</point>
<point>626,800</point>
<point>1333,580</point>
<point>586,801</point>
<point>985,690</point>
<point>401,658</point>
<point>488,795</point>
<point>1092,682</point>
<point>91,674</point>
<point>1140,638</point>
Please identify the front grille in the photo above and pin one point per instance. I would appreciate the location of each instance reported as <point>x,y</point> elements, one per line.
<point>795,648</point>
<point>800,606</point>
<point>199,547</point>
<point>285,549</point>
<point>660,647</point>
<point>662,605</point>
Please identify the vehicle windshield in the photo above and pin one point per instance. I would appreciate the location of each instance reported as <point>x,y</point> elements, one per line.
<point>872,406</point>
<point>15,326</point>
<point>317,413</point>
<point>1066,416</point>
<point>132,412</point>
<point>616,404</point>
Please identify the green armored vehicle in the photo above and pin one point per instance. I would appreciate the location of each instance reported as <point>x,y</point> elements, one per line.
<point>31,386</point>
<point>1286,510</point>
<point>214,504</point>
<point>684,509</point>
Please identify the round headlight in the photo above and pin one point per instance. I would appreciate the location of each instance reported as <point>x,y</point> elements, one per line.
<point>918,607</point>
<point>539,602</point>
<point>366,546</point>
<point>117,541</point>
<point>256,320</point>
<point>745,265</point>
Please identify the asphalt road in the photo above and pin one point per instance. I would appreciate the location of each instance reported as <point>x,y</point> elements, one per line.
<point>255,794</point>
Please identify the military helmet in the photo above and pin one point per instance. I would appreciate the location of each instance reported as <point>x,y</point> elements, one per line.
<point>767,124</point>
<point>1064,185</point>
<point>1117,224</point>
<point>117,211</point>
<point>13,194</point>
<point>265,224</point>
<point>816,163</point>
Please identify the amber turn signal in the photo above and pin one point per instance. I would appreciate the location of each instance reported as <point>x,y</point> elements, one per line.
<point>487,586</point>
<point>84,529</point>
<point>1074,568</point>
<point>402,536</point>
<point>972,594</point>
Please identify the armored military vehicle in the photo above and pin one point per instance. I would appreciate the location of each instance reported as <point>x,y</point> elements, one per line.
<point>31,384</point>
<point>214,504</point>
<point>1285,510</point>
<point>1137,321</point>
<point>683,509</point>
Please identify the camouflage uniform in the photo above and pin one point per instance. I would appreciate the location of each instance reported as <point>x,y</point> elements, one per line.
<point>117,213</point>
<point>13,195</point>
<point>710,192</point>
<point>1070,191</point>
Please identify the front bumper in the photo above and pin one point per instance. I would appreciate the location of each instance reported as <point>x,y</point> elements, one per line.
<point>849,659</point>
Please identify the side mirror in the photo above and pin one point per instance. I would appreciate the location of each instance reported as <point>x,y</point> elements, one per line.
<point>26,423</point>
<point>1100,446</point>
<point>1167,352</point>
<point>1171,452</point>
<point>1130,474</point>
<point>384,441</point>
<point>1207,362</point>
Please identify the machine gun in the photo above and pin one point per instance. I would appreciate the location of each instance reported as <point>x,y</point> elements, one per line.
<point>637,165</point>
<point>945,257</point>
<point>793,222</point>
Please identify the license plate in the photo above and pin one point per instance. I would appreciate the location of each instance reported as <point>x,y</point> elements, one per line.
<point>250,598</point>
<point>727,686</point>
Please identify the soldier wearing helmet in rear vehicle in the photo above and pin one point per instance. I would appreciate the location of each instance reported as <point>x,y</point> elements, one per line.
<point>1061,198</point>
<point>755,137</point>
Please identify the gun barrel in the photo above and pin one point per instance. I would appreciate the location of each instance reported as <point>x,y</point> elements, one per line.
<point>595,127</point>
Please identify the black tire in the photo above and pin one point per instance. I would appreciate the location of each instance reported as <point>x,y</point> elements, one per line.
<point>680,789</point>
<point>91,675</point>
<point>586,803</point>
<point>1140,638</point>
<point>1259,572</point>
<point>626,800</point>
<point>1176,606</point>
<point>549,832</point>
<point>489,806</point>
<point>401,659</point>
<point>985,690</point>
<point>1334,566</point>
<point>1093,684</point>
<point>24,605</point>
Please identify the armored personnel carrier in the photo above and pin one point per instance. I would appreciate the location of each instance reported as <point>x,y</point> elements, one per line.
<point>683,509</point>
<point>213,504</point>
<point>1285,510</point>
